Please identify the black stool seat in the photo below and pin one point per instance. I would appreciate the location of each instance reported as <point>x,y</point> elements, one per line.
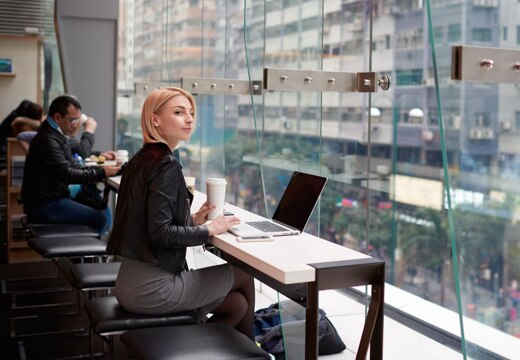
<point>94,275</point>
<point>52,247</point>
<point>61,230</point>
<point>191,342</point>
<point>108,317</point>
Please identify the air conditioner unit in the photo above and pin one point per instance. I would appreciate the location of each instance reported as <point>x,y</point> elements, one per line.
<point>429,82</point>
<point>326,29</point>
<point>487,134</point>
<point>395,10</point>
<point>505,125</point>
<point>486,3</point>
<point>427,135</point>
<point>457,119</point>
<point>357,24</point>
<point>475,134</point>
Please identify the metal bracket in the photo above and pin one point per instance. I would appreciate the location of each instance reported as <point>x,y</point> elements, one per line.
<point>198,85</point>
<point>318,80</point>
<point>485,64</point>
<point>144,88</point>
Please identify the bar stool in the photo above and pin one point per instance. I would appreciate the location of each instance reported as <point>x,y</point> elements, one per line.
<point>61,250</point>
<point>191,342</point>
<point>108,318</point>
<point>61,230</point>
<point>61,247</point>
<point>93,277</point>
<point>56,230</point>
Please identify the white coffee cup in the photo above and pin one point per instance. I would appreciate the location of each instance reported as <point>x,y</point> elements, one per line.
<point>120,160</point>
<point>216,191</point>
<point>121,157</point>
<point>122,153</point>
<point>190,183</point>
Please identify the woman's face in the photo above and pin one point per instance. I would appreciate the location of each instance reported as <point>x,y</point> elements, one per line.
<point>175,121</point>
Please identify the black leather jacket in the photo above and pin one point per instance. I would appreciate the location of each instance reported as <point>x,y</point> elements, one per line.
<point>152,219</point>
<point>49,168</point>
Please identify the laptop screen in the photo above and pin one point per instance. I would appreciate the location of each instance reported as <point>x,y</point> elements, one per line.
<point>298,201</point>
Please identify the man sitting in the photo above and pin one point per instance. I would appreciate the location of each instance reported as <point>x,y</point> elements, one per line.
<point>50,168</point>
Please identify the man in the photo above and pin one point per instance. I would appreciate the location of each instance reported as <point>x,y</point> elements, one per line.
<point>125,141</point>
<point>50,168</point>
<point>122,127</point>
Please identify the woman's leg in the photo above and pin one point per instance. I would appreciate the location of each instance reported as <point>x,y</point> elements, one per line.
<point>238,307</point>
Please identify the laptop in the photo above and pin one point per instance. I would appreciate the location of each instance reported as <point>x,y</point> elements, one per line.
<point>292,213</point>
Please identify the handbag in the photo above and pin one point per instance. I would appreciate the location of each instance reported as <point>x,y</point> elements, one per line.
<point>285,322</point>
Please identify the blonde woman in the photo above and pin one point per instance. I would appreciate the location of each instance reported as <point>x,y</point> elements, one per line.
<point>153,228</point>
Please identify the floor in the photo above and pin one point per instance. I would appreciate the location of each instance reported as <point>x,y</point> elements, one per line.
<point>347,316</point>
<point>42,318</point>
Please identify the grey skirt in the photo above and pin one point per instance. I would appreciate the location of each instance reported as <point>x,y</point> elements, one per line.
<point>146,288</point>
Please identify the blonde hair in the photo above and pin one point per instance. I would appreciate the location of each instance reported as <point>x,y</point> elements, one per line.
<point>153,105</point>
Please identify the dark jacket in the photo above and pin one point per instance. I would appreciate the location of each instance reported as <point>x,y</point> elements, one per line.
<point>83,147</point>
<point>49,169</point>
<point>153,220</point>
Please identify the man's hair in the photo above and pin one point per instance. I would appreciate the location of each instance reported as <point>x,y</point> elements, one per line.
<point>61,104</point>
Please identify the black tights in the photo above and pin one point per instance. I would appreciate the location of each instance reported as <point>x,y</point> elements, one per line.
<point>238,306</point>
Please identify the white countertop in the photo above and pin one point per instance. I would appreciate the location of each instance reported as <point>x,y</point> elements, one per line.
<point>286,258</point>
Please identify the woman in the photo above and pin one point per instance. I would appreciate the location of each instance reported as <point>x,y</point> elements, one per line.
<point>153,228</point>
<point>26,109</point>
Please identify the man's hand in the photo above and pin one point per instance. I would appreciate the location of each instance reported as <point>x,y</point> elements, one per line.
<point>90,125</point>
<point>109,155</point>
<point>111,170</point>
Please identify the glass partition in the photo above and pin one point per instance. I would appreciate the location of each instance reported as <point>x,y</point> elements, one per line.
<point>382,152</point>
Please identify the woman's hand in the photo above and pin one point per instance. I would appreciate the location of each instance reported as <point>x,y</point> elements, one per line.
<point>201,216</point>
<point>222,224</point>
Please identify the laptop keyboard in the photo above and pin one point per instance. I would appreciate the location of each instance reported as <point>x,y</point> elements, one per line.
<point>266,226</point>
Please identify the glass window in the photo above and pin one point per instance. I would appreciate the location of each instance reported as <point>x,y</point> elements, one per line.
<point>438,33</point>
<point>481,35</point>
<point>328,133</point>
<point>409,77</point>
<point>517,120</point>
<point>454,32</point>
